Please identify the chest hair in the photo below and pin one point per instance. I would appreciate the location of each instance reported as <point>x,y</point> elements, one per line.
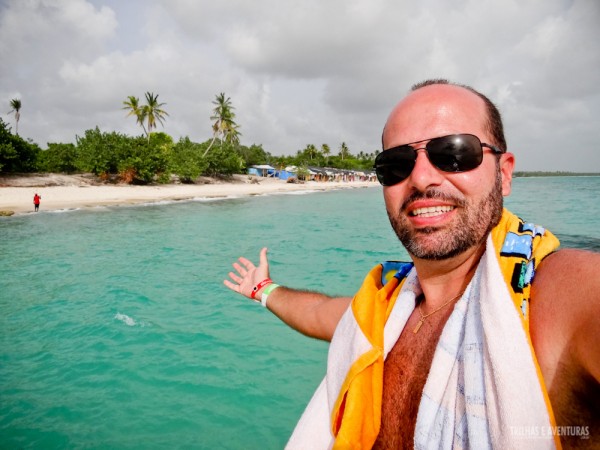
<point>405,372</point>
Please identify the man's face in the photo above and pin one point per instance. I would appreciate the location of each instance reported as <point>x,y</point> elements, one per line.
<point>435,214</point>
<point>473,220</point>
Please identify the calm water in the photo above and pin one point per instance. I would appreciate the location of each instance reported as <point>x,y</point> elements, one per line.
<point>116,330</point>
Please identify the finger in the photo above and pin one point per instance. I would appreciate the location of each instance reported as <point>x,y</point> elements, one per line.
<point>233,287</point>
<point>235,278</point>
<point>246,262</point>
<point>240,269</point>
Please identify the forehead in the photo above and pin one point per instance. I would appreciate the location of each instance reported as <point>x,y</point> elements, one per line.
<point>433,111</point>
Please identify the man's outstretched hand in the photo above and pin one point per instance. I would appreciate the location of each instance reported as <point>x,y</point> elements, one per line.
<point>248,275</point>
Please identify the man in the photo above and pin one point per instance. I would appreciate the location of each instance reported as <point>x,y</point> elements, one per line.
<point>36,202</point>
<point>478,352</point>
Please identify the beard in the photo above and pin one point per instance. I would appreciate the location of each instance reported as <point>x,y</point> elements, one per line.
<point>471,227</point>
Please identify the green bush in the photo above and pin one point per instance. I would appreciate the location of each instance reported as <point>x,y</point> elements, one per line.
<point>16,154</point>
<point>146,161</point>
<point>223,160</point>
<point>59,158</point>
<point>8,155</point>
<point>187,161</point>
<point>252,155</point>
<point>102,153</point>
<point>135,159</point>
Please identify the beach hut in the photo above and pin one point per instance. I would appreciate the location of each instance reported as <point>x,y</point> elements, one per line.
<point>287,173</point>
<point>318,174</point>
<point>262,170</point>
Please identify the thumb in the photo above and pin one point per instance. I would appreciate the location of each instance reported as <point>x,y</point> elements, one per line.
<point>263,257</point>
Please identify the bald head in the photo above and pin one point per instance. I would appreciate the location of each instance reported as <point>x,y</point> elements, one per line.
<point>438,107</point>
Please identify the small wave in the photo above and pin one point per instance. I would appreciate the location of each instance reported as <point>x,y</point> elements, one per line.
<point>158,202</point>
<point>300,192</point>
<point>125,319</point>
<point>62,211</point>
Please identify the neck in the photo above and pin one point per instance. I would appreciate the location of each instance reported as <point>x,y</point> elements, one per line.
<point>444,279</point>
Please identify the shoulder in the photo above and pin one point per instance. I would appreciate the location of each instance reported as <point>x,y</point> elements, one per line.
<point>565,305</point>
<point>567,282</point>
<point>570,272</point>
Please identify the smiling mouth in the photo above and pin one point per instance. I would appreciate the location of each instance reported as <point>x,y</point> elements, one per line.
<point>431,211</point>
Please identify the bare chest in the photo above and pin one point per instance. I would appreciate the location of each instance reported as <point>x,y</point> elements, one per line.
<point>405,372</point>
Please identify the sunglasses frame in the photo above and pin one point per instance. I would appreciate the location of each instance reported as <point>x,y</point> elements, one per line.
<point>414,151</point>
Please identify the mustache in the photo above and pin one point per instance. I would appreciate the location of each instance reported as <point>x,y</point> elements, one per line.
<point>433,194</point>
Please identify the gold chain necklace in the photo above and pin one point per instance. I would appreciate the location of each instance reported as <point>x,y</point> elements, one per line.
<point>425,316</point>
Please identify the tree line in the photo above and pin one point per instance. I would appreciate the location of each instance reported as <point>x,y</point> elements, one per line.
<point>558,173</point>
<point>154,156</point>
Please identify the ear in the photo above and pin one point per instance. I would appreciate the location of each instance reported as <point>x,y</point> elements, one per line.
<point>507,164</point>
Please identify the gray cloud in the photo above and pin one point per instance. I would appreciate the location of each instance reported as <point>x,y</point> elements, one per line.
<point>301,72</point>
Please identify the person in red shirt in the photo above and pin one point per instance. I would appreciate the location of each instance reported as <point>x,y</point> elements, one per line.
<point>36,201</point>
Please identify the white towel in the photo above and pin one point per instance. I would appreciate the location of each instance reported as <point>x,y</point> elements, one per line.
<point>482,390</point>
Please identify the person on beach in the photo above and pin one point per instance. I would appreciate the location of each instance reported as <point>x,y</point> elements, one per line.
<point>36,202</point>
<point>487,338</point>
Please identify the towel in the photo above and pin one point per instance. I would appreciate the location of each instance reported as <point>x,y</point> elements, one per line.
<point>484,388</point>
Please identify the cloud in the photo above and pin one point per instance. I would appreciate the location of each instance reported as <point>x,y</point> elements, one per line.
<point>302,72</point>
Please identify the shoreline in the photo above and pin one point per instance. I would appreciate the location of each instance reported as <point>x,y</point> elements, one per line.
<point>70,192</point>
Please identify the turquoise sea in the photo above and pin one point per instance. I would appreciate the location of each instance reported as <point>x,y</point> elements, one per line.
<point>117,332</point>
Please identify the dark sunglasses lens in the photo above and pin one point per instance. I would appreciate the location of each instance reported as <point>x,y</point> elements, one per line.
<point>390,175</point>
<point>394,165</point>
<point>457,153</point>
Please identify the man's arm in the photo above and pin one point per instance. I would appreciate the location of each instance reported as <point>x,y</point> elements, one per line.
<point>311,313</point>
<point>565,308</point>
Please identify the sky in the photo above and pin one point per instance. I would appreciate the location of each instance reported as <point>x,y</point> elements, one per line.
<point>302,72</point>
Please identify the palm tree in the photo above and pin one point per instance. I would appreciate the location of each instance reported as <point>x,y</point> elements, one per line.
<point>133,105</point>
<point>311,150</point>
<point>15,104</point>
<point>152,112</point>
<point>232,134</point>
<point>344,152</point>
<point>326,151</point>
<point>224,125</point>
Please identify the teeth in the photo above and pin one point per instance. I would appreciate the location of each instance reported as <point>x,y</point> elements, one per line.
<point>431,211</point>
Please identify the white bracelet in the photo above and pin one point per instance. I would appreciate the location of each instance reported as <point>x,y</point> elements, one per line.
<point>270,288</point>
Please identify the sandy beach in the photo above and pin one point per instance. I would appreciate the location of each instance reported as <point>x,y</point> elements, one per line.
<point>64,192</point>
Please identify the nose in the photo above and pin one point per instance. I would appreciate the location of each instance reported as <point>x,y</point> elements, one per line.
<point>424,174</point>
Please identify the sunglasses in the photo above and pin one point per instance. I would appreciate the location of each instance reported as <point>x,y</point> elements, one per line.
<point>452,153</point>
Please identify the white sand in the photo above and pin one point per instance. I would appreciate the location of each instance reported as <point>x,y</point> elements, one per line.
<point>18,198</point>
